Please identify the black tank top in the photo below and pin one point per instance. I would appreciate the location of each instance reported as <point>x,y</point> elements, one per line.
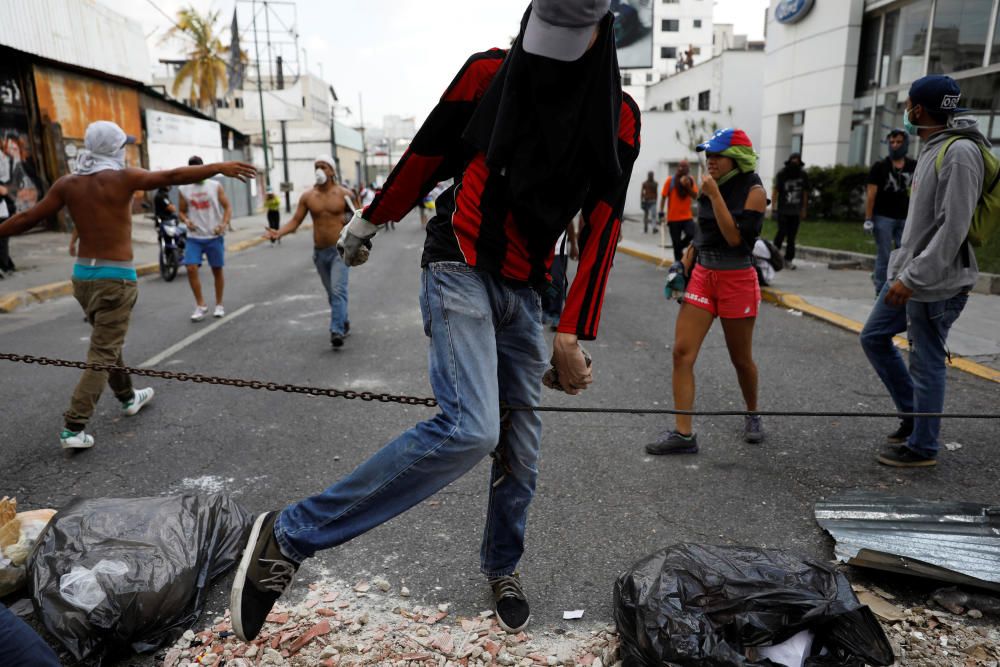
<point>714,252</point>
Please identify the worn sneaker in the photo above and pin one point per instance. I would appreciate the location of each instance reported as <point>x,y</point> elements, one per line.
<point>753,429</point>
<point>510,603</point>
<point>901,434</point>
<point>263,575</point>
<point>336,340</point>
<point>75,440</point>
<point>139,398</point>
<point>901,456</point>
<point>672,442</point>
<point>199,313</point>
<point>219,311</point>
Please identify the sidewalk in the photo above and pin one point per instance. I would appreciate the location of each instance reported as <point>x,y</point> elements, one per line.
<point>44,264</point>
<point>844,297</point>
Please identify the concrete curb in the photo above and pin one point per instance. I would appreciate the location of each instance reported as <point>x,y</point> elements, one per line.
<point>796,302</point>
<point>11,301</point>
<point>988,283</point>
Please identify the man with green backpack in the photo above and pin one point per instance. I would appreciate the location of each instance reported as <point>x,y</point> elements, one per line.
<point>954,205</point>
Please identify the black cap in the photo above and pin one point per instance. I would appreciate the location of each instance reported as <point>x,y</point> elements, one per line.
<point>195,160</point>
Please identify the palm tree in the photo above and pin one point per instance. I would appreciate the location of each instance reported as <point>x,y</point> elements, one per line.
<point>206,58</point>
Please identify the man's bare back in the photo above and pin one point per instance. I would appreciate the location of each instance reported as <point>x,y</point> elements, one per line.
<point>101,204</point>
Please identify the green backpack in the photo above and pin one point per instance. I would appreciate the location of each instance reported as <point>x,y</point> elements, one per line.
<point>986,217</point>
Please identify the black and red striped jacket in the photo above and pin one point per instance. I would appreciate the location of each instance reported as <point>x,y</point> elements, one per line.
<point>458,231</point>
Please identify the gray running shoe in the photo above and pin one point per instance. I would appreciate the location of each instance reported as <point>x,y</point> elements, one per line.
<point>672,442</point>
<point>753,429</point>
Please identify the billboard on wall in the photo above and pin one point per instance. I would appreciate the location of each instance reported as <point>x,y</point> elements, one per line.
<point>18,165</point>
<point>633,32</point>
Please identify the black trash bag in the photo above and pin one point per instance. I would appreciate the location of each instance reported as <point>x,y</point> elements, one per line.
<point>697,605</point>
<point>137,568</point>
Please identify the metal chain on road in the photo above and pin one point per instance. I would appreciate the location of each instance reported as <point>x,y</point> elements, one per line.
<point>431,402</point>
<point>225,382</point>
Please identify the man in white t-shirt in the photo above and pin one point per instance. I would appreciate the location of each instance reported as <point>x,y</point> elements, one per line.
<point>206,211</point>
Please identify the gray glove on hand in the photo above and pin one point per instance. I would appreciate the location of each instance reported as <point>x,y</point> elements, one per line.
<point>355,240</point>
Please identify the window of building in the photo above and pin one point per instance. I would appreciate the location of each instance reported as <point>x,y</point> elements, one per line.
<point>697,23</point>
<point>627,79</point>
<point>668,51</point>
<point>995,56</point>
<point>671,2</point>
<point>649,77</point>
<point>695,50</point>
<point>669,106</point>
<point>703,98</point>
<point>868,58</point>
<point>904,43</point>
<point>238,102</point>
<point>798,118</point>
<point>797,143</point>
<point>670,25</point>
<point>958,41</point>
<point>684,103</point>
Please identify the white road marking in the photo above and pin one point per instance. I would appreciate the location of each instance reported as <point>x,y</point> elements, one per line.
<point>177,347</point>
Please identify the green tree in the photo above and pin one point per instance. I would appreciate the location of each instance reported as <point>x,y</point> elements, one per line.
<point>205,68</point>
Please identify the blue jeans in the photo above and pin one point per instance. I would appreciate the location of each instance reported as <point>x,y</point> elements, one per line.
<point>648,215</point>
<point>921,388</point>
<point>333,273</point>
<point>20,645</point>
<point>486,347</point>
<point>888,235</point>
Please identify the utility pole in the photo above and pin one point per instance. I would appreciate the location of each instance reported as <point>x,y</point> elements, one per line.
<point>333,133</point>
<point>284,141</point>
<point>260,96</point>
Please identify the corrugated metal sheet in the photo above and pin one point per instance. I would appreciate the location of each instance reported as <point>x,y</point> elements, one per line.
<point>78,32</point>
<point>952,541</point>
<point>75,101</point>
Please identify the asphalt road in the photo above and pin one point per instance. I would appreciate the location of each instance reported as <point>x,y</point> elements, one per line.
<point>601,504</point>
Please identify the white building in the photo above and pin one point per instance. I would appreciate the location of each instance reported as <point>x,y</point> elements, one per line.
<point>678,26</point>
<point>837,73</point>
<point>686,108</point>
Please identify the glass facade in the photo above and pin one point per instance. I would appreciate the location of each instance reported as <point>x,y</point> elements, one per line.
<point>959,38</point>
<point>900,45</point>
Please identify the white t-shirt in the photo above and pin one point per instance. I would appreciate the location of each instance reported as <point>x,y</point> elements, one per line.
<point>204,208</point>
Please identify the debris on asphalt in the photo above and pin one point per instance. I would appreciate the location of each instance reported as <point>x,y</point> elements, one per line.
<point>931,638</point>
<point>961,602</point>
<point>379,628</point>
<point>573,614</point>
<point>951,541</point>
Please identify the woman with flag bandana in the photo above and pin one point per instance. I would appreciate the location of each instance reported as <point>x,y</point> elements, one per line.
<point>722,282</point>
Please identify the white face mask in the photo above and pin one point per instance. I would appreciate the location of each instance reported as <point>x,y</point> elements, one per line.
<point>320,177</point>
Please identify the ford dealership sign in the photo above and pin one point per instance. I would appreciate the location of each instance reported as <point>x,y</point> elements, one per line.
<point>792,11</point>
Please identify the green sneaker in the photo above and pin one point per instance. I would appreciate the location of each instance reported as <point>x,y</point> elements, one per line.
<point>75,440</point>
<point>140,398</point>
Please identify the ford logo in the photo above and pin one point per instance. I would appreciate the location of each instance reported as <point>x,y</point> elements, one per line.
<point>792,11</point>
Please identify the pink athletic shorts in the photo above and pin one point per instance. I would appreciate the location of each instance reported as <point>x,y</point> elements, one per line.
<point>732,294</point>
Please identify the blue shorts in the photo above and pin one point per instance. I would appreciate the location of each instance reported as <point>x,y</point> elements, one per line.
<point>214,249</point>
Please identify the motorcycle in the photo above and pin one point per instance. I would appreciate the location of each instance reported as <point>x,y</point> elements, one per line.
<point>172,237</point>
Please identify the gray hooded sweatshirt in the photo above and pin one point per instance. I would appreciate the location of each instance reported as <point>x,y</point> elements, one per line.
<point>930,259</point>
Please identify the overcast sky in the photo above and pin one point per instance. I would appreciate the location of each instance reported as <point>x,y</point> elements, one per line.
<point>398,54</point>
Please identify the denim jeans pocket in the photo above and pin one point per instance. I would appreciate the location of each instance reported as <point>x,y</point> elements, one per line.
<point>461,289</point>
<point>425,308</point>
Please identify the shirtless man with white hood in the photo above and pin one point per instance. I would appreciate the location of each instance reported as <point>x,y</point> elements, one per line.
<point>99,198</point>
<point>326,203</point>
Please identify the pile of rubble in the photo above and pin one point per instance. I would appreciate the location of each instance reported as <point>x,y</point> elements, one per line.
<point>338,624</point>
<point>930,637</point>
